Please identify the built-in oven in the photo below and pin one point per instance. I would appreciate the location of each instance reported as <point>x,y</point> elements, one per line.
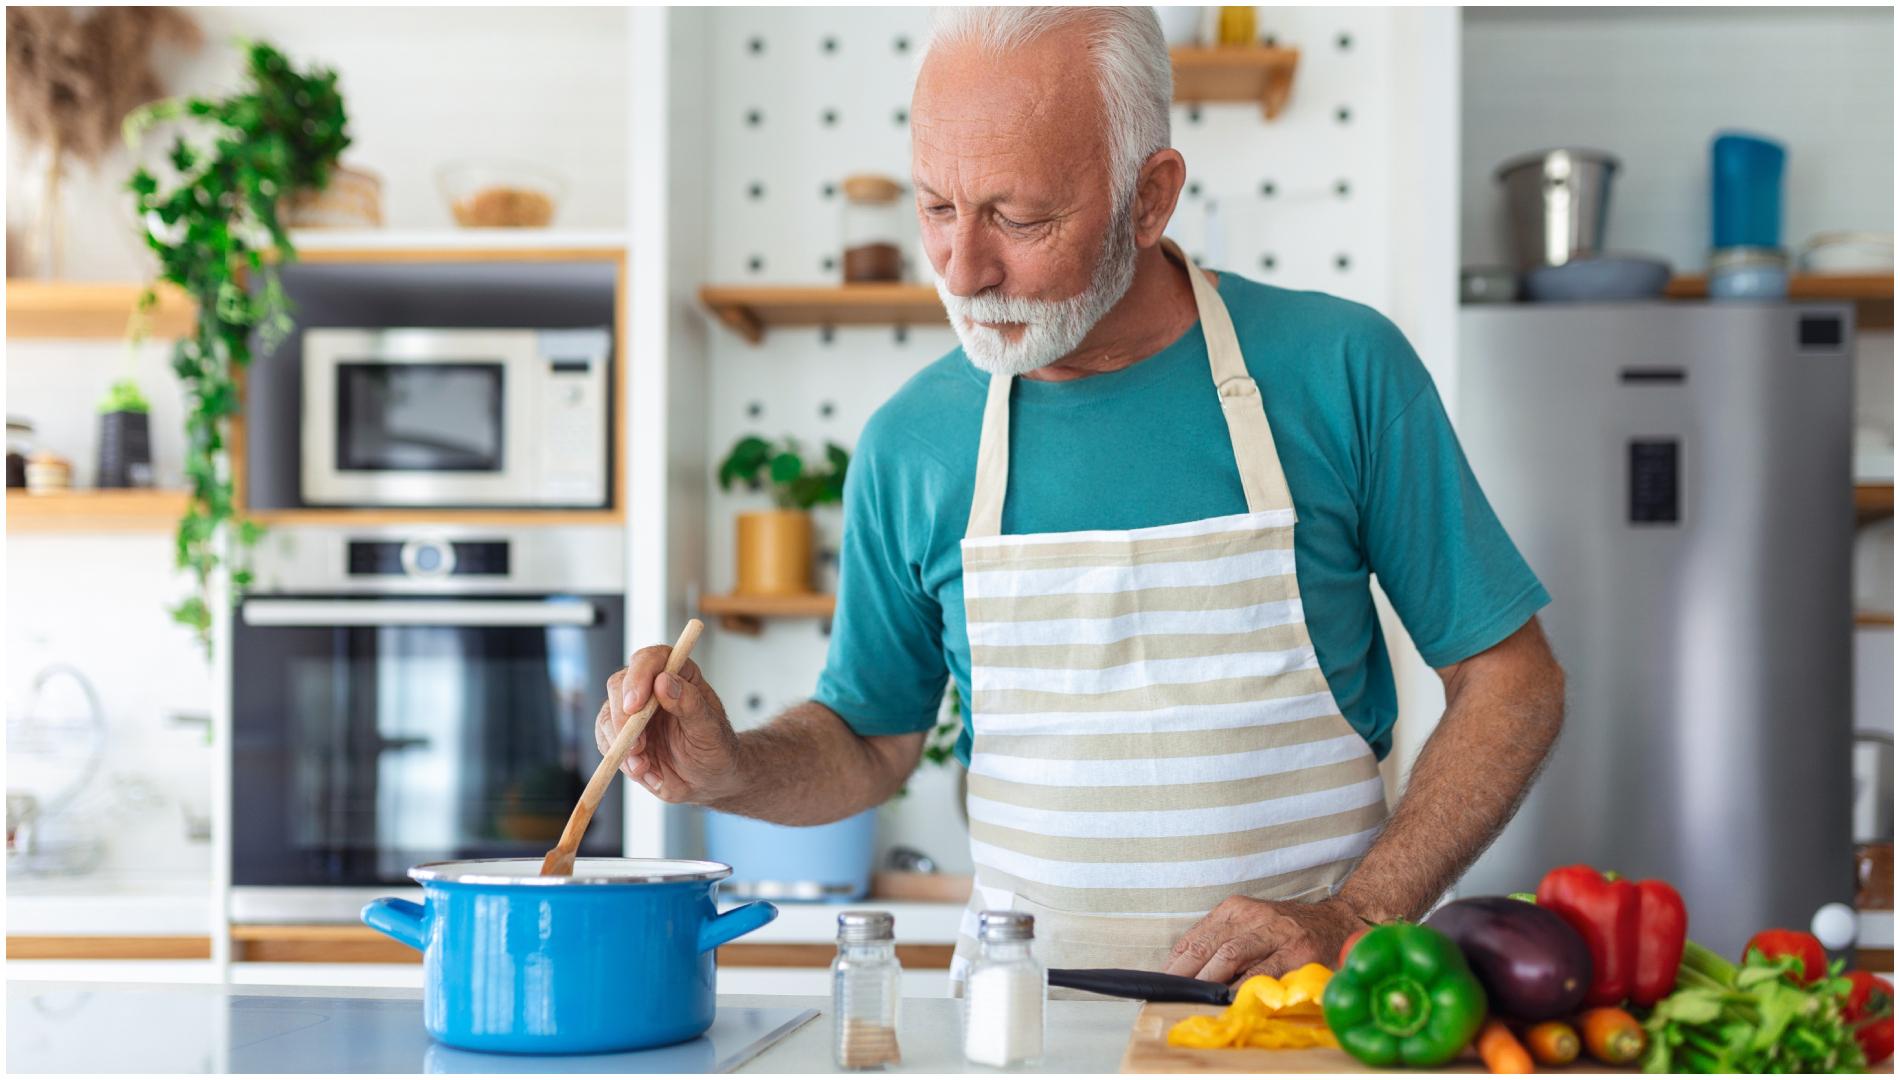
<point>455,417</point>
<point>404,695</point>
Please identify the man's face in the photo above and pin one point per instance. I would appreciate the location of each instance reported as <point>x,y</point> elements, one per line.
<point>1009,158</point>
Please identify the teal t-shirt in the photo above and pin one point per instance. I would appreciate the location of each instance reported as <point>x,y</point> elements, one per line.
<point>1378,479</point>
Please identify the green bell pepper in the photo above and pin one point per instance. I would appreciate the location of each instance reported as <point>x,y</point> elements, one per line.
<point>1404,997</point>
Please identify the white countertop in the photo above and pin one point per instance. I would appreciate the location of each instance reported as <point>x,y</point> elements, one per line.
<point>127,1027</point>
<point>109,906</point>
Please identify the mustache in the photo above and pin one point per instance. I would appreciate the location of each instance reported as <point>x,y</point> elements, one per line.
<point>996,308</point>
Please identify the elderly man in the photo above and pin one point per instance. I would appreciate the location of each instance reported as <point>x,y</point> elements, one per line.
<point>1135,517</point>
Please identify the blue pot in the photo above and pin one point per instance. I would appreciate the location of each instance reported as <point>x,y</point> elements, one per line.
<point>619,956</point>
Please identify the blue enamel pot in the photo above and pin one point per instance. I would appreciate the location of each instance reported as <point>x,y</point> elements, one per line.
<point>617,956</point>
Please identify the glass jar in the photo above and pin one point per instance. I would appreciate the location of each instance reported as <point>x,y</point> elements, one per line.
<point>19,448</point>
<point>874,224</point>
<point>865,982</point>
<point>1004,993</point>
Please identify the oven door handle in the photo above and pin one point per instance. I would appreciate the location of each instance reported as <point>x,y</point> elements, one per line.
<point>456,613</point>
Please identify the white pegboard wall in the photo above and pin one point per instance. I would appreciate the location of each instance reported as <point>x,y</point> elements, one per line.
<point>801,97</point>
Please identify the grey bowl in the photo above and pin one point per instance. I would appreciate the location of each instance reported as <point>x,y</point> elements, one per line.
<point>1599,278</point>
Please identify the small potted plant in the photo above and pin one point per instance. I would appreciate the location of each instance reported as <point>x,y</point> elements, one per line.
<point>125,438</point>
<point>775,546</point>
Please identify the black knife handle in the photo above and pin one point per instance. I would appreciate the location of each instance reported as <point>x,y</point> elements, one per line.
<point>1142,985</point>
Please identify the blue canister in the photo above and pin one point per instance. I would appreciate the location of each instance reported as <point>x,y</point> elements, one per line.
<point>1745,174</point>
<point>796,862</point>
<point>617,956</point>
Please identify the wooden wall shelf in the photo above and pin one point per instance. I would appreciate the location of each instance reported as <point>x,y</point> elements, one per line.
<point>1262,73</point>
<point>750,310</point>
<point>126,510</point>
<point>1871,294</point>
<point>90,310</point>
<point>1873,618</point>
<point>747,614</point>
<point>424,516</point>
<point>1873,502</point>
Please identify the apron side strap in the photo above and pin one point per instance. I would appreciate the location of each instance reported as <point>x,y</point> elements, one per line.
<point>992,462</point>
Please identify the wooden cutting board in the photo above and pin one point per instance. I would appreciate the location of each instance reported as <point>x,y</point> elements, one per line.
<point>1148,1052</point>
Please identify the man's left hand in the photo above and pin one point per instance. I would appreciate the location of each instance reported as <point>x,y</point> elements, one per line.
<point>1244,937</point>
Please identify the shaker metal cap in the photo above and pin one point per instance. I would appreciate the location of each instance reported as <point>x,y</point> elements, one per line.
<point>865,926</point>
<point>1005,926</point>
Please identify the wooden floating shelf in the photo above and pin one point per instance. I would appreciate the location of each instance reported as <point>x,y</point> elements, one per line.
<point>1871,294</point>
<point>747,614</point>
<point>1217,73</point>
<point>1873,618</point>
<point>1872,502</point>
<point>752,309</point>
<point>124,510</point>
<point>424,516</point>
<point>90,310</point>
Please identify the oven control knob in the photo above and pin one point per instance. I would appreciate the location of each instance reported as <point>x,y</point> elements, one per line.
<point>428,558</point>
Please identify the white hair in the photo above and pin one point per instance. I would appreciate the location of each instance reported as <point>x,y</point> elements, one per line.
<point>1132,68</point>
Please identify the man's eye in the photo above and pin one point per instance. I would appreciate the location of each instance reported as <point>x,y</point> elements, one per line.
<point>1018,225</point>
<point>938,210</point>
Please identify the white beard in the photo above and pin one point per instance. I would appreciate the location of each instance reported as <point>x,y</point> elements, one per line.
<point>1051,329</point>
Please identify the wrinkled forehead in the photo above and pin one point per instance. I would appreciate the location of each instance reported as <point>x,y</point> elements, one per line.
<point>1037,106</point>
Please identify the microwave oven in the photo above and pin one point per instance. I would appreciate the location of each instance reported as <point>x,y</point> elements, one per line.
<point>456,417</point>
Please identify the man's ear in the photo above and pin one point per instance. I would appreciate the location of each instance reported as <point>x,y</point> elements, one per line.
<point>1157,192</point>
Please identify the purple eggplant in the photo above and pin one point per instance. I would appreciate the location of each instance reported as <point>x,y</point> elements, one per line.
<point>1533,965</point>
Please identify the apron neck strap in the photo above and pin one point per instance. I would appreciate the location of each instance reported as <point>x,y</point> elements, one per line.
<point>1260,475</point>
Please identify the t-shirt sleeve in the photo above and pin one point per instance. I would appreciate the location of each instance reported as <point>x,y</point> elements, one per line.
<point>885,671</point>
<point>1451,571</point>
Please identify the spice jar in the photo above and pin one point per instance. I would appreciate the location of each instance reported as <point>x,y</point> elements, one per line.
<point>864,990</point>
<point>873,224</point>
<point>1004,993</point>
<point>19,445</point>
<point>48,472</point>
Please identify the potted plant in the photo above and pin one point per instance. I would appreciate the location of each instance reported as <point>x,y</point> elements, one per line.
<point>775,545</point>
<point>125,438</point>
<point>211,213</point>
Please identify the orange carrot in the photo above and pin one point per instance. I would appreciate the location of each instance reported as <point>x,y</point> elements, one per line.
<point>1612,1036</point>
<point>1553,1042</point>
<point>1501,1051</point>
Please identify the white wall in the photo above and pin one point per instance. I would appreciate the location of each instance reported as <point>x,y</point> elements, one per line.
<point>1653,86</point>
<point>422,86</point>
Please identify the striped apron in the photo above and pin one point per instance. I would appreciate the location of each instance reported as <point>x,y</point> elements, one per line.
<point>1152,730</point>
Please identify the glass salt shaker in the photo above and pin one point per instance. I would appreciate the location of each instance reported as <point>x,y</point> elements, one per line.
<point>865,981</point>
<point>874,223</point>
<point>1004,993</point>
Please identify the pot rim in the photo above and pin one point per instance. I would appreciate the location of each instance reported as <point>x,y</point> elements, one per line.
<point>682,870</point>
<point>1512,164</point>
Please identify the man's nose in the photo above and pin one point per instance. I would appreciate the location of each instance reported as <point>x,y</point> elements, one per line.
<point>973,265</point>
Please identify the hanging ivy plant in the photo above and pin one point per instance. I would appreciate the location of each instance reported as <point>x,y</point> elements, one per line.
<point>213,223</point>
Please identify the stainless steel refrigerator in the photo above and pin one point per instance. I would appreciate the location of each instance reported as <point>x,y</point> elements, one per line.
<point>1679,475</point>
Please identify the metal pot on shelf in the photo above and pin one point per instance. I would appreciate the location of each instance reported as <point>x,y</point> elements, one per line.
<point>1558,204</point>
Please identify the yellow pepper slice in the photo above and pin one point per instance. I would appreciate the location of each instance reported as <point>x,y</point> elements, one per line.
<point>1269,1013</point>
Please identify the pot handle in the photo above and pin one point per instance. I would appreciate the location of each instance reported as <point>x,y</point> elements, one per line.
<point>740,920</point>
<point>400,919</point>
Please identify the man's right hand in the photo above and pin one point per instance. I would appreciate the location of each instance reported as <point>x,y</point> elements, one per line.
<point>688,752</point>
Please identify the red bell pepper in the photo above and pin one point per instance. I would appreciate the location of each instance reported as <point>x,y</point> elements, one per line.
<point>1775,944</point>
<point>1662,925</point>
<point>1635,931</point>
<point>1604,911</point>
<point>1869,1011</point>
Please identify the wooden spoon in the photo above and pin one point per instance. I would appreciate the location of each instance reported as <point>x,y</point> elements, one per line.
<point>560,861</point>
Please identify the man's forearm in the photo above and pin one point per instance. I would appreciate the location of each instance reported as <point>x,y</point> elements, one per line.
<point>1502,716</point>
<point>807,768</point>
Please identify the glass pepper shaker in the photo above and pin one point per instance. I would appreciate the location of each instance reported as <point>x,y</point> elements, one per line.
<point>865,980</point>
<point>1004,993</point>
